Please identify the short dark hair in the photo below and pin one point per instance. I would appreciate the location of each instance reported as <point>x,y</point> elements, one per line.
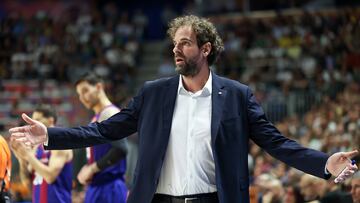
<point>47,111</point>
<point>91,78</point>
<point>205,31</point>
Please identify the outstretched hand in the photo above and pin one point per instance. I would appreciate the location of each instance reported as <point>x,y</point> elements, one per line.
<point>340,165</point>
<point>34,133</point>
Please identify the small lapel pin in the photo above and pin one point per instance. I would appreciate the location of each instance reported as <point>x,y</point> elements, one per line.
<point>220,93</point>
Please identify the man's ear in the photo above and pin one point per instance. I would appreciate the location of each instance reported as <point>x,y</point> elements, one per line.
<point>51,121</point>
<point>206,48</point>
<point>99,86</point>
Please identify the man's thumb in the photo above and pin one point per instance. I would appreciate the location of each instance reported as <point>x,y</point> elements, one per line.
<point>27,119</point>
<point>351,154</point>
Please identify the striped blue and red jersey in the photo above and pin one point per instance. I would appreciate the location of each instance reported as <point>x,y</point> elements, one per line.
<point>57,192</point>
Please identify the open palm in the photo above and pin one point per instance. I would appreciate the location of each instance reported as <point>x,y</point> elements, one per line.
<point>32,134</point>
<point>339,165</point>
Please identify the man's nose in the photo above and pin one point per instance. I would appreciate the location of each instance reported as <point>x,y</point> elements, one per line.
<point>175,49</point>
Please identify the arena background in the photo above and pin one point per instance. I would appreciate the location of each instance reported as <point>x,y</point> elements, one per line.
<point>301,58</point>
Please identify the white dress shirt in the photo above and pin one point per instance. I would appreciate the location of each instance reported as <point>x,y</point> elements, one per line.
<point>189,166</point>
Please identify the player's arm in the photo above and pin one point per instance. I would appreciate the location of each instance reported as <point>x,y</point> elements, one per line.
<point>57,161</point>
<point>24,172</point>
<point>114,155</point>
<point>24,169</point>
<point>117,152</point>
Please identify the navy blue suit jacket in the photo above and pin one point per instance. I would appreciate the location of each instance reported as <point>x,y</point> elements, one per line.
<point>236,117</point>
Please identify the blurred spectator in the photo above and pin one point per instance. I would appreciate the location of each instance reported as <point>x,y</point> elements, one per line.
<point>312,188</point>
<point>355,188</point>
<point>317,190</point>
<point>270,189</point>
<point>293,195</point>
<point>64,48</point>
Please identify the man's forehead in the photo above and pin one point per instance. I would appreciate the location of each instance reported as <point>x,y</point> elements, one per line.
<point>184,31</point>
<point>83,85</point>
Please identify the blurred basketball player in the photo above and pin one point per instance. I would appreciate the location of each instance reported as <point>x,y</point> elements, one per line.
<point>51,171</point>
<point>104,173</point>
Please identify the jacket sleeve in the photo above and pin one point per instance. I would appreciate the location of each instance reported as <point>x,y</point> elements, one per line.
<point>267,136</point>
<point>114,128</point>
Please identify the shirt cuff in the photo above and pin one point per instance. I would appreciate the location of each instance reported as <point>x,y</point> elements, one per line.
<point>326,171</point>
<point>46,143</point>
<point>327,174</point>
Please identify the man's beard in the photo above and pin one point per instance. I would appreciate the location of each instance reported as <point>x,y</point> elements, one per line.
<point>188,69</point>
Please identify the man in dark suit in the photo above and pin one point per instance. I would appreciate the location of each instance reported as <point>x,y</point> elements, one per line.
<point>193,130</point>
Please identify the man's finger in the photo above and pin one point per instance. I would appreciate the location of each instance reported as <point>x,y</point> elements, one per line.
<point>18,135</point>
<point>17,129</point>
<point>353,167</point>
<point>22,139</point>
<point>351,154</point>
<point>349,173</point>
<point>338,180</point>
<point>28,120</point>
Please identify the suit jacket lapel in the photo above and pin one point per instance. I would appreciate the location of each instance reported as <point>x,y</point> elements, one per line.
<point>169,95</point>
<point>218,98</point>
